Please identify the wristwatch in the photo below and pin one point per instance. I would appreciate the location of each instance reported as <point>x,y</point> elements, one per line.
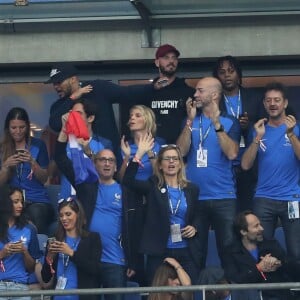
<point>220,129</point>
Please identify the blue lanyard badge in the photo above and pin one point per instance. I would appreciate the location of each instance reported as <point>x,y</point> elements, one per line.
<point>237,114</point>
<point>201,152</point>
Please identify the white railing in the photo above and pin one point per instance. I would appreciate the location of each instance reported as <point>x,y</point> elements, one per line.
<point>146,290</point>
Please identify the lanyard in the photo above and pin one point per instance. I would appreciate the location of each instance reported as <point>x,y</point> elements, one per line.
<point>66,258</point>
<point>231,108</point>
<point>203,138</point>
<point>19,171</point>
<point>174,211</point>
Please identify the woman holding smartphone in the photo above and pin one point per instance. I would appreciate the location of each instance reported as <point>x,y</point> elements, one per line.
<point>19,246</point>
<point>24,161</point>
<point>73,256</point>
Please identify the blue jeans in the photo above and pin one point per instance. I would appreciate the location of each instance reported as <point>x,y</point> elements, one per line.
<point>112,276</point>
<point>219,214</point>
<point>13,286</point>
<point>268,211</point>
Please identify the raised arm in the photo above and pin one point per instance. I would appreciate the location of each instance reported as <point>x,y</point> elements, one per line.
<point>60,156</point>
<point>228,145</point>
<point>249,155</point>
<point>184,140</point>
<point>290,122</point>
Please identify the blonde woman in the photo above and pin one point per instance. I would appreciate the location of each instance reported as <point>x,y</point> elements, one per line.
<point>141,122</point>
<point>171,212</point>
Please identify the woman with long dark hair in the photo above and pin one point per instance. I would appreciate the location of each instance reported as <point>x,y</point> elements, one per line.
<point>171,273</point>
<point>18,242</point>
<point>24,161</point>
<point>73,255</point>
<point>171,212</point>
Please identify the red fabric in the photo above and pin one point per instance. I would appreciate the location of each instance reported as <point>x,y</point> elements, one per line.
<point>76,125</point>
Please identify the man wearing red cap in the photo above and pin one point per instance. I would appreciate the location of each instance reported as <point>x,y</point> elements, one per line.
<point>168,103</point>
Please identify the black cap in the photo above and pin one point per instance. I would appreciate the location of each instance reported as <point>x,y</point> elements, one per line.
<point>59,73</point>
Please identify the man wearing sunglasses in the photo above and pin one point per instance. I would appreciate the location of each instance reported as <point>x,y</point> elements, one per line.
<point>210,140</point>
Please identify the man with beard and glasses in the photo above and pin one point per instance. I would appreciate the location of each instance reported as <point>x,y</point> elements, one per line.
<point>255,259</point>
<point>245,105</point>
<point>276,146</point>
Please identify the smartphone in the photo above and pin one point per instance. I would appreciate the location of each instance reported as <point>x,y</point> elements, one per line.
<point>16,242</point>
<point>20,151</point>
<point>51,240</point>
<point>163,82</point>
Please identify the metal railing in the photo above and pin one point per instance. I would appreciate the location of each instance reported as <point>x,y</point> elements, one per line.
<point>146,290</point>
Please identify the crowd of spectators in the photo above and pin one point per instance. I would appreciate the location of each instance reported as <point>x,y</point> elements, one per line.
<point>193,160</point>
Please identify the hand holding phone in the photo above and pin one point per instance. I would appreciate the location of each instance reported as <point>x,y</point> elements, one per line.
<point>21,151</point>
<point>163,82</point>
<point>244,120</point>
<point>16,247</point>
<point>51,240</point>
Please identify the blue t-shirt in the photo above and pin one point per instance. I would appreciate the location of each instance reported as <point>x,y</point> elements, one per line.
<point>216,181</point>
<point>14,264</point>
<point>107,221</point>
<point>34,189</point>
<point>278,166</point>
<point>96,144</point>
<point>234,108</point>
<point>234,105</point>
<point>146,171</point>
<point>67,269</point>
<point>178,208</point>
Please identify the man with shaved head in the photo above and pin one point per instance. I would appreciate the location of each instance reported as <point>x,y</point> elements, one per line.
<point>210,140</point>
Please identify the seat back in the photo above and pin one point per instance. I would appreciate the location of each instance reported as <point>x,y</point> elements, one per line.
<point>212,258</point>
<point>53,191</point>
<point>280,237</point>
<point>133,296</point>
<point>42,238</point>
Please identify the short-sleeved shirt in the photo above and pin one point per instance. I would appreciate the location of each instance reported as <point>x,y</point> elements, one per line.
<point>14,264</point>
<point>278,166</point>
<point>107,221</point>
<point>216,181</point>
<point>34,189</point>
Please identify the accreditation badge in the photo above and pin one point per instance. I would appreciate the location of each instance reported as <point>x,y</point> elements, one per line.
<point>61,283</point>
<point>293,209</point>
<point>202,158</point>
<point>175,233</point>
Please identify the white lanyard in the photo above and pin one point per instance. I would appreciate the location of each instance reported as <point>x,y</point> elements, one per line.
<point>231,108</point>
<point>203,138</point>
<point>66,262</point>
<point>174,211</point>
